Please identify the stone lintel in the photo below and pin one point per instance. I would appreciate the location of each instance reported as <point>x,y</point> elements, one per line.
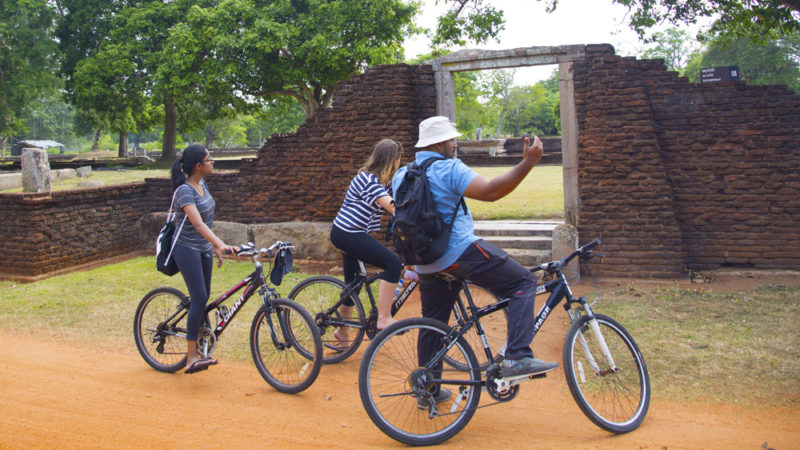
<point>472,59</point>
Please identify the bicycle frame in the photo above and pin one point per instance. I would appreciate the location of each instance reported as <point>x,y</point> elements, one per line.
<point>224,315</point>
<point>559,290</point>
<point>364,280</point>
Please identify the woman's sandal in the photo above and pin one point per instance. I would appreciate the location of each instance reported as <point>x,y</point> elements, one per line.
<point>198,365</point>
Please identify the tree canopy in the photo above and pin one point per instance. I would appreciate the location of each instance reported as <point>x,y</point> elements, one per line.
<point>734,18</point>
<point>28,62</point>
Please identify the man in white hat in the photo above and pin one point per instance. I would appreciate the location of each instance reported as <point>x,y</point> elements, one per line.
<point>470,257</point>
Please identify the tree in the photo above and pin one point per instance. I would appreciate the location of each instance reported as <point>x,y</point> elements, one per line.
<point>735,18</point>
<point>302,48</point>
<point>674,46</point>
<point>473,20</point>
<point>27,60</point>
<point>769,62</point>
<point>499,86</point>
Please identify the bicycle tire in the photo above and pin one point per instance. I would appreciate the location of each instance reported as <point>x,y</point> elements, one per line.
<point>293,363</point>
<point>156,340</point>
<point>495,326</point>
<point>386,390</point>
<point>614,401</point>
<point>317,294</point>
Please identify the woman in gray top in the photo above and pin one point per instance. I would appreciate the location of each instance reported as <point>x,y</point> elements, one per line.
<point>195,242</point>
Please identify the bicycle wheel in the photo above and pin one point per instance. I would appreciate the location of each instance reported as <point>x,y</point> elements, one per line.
<point>615,400</point>
<point>391,382</point>
<point>317,295</point>
<point>159,328</point>
<point>495,326</point>
<point>286,347</point>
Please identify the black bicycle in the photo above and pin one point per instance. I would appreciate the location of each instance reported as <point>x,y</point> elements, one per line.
<point>324,296</point>
<point>605,370</point>
<point>284,341</point>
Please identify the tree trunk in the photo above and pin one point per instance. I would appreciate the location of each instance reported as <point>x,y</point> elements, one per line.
<point>122,150</point>
<point>209,131</point>
<point>170,129</point>
<point>500,124</point>
<point>4,139</point>
<point>96,141</point>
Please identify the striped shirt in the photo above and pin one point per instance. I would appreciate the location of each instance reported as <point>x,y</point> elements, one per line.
<point>189,236</point>
<point>360,211</point>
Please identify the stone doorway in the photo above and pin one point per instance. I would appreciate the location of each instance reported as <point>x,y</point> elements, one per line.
<point>564,56</point>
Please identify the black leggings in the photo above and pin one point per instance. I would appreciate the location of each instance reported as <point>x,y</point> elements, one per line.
<point>362,246</point>
<point>196,269</point>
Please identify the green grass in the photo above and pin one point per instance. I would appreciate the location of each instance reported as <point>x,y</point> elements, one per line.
<point>739,347</point>
<point>539,196</point>
<point>108,177</point>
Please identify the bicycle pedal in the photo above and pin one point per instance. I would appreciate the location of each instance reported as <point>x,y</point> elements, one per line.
<point>520,378</point>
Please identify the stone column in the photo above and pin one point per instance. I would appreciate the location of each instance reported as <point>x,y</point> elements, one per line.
<point>565,241</point>
<point>35,170</point>
<point>445,94</point>
<point>569,143</point>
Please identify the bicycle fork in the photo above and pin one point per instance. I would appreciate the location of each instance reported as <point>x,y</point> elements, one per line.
<point>598,335</point>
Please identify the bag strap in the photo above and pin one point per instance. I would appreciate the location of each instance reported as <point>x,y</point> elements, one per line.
<point>172,214</point>
<point>175,238</point>
<point>424,166</point>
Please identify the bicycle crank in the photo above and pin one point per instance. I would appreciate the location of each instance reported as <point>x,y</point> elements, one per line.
<point>206,342</point>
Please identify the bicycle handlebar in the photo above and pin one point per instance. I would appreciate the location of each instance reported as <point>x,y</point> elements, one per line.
<point>584,252</point>
<point>250,249</point>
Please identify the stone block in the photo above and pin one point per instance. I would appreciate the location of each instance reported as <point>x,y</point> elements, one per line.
<point>35,170</point>
<point>231,233</point>
<point>10,181</point>
<point>62,174</point>
<point>310,239</point>
<point>565,241</point>
<point>84,171</point>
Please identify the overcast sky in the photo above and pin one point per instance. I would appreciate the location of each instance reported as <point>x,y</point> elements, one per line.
<point>528,25</point>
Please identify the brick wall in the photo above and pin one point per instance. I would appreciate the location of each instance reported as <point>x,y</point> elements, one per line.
<point>676,175</point>
<point>304,176</point>
<point>43,233</point>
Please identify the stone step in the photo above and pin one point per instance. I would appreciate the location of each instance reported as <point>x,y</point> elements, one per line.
<point>521,242</point>
<point>529,242</point>
<point>485,228</point>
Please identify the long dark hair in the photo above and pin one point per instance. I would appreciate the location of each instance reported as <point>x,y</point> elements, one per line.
<point>381,162</point>
<point>183,166</point>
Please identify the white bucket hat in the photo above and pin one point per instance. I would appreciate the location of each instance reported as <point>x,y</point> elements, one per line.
<point>436,129</point>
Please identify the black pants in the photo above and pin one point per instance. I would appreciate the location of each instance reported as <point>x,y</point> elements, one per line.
<point>362,246</point>
<point>490,268</point>
<point>196,269</point>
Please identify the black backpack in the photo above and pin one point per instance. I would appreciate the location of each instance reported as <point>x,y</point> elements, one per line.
<point>419,235</point>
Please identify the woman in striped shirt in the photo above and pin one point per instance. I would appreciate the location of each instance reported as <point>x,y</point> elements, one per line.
<point>368,195</point>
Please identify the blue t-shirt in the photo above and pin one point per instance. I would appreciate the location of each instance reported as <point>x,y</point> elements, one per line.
<point>360,211</point>
<point>448,179</point>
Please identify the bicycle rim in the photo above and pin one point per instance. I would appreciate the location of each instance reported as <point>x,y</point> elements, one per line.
<point>386,386</point>
<point>291,362</point>
<point>317,295</point>
<point>155,338</point>
<point>495,326</point>
<point>614,401</point>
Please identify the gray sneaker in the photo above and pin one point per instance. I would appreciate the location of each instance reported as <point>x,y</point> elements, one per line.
<point>444,394</point>
<point>526,366</point>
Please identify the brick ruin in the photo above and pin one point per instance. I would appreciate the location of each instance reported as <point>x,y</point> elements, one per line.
<point>672,175</point>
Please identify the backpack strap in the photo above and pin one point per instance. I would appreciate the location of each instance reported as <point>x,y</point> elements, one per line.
<point>427,163</point>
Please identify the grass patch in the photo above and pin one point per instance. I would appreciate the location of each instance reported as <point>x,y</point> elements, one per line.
<point>108,177</point>
<point>539,196</point>
<point>739,347</point>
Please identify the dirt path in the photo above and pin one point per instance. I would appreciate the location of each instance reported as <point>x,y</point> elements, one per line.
<point>61,395</point>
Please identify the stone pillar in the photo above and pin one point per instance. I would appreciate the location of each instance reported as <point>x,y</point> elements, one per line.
<point>35,170</point>
<point>565,241</point>
<point>445,94</point>
<point>569,143</point>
